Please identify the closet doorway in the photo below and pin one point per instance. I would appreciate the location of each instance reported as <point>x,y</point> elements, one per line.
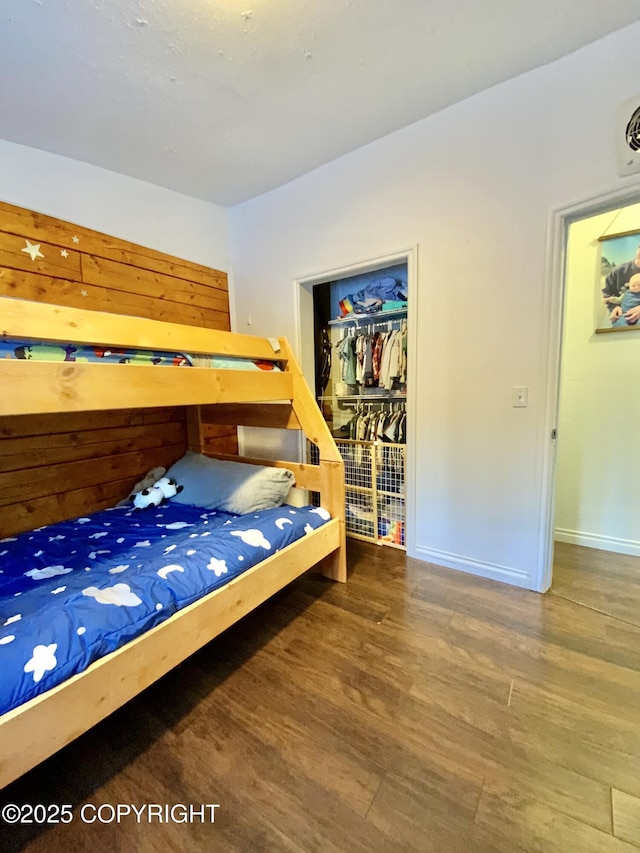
<point>355,347</point>
<point>596,543</point>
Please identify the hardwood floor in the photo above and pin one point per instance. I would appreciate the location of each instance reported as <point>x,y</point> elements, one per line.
<point>413,709</point>
<point>600,580</point>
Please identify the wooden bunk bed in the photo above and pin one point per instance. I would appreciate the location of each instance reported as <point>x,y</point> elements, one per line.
<point>282,400</point>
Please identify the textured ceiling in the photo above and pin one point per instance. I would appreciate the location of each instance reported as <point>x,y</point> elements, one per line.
<point>226,99</point>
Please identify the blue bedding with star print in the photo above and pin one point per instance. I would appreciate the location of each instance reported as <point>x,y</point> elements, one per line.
<point>75,591</point>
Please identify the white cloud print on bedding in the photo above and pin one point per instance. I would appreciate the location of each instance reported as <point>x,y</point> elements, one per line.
<point>65,602</point>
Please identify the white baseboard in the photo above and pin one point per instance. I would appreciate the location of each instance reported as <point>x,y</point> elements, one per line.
<point>603,543</point>
<point>504,574</point>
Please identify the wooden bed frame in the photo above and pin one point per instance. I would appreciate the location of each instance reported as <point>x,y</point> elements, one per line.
<point>281,400</point>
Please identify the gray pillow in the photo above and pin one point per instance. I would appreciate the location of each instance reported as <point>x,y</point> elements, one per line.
<point>231,486</point>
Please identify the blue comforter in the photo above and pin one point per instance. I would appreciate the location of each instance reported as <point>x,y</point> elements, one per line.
<point>75,591</point>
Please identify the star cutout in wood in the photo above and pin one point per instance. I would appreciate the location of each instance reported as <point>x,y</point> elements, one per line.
<point>32,249</point>
<point>75,239</point>
<point>83,293</point>
<point>64,253</point>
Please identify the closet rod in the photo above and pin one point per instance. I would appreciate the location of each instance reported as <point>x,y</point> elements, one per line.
<point>368,328</point>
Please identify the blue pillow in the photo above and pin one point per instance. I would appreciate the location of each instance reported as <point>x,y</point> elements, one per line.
<point>231,486</point>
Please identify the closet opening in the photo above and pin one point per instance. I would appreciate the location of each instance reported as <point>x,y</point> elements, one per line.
<point>360,361</point>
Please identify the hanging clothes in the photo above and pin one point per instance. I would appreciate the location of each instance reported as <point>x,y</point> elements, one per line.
<point>374,359</point>
<point>347,354</point>
<point>383,422</point>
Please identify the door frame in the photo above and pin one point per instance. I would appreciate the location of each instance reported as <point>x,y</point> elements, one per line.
<point>302,291</point>
<point>554,300</point>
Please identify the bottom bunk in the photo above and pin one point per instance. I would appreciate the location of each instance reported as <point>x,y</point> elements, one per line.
<point>178,574</point>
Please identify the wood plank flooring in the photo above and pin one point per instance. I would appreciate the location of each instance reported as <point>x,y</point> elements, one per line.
<point>412,709</point>
<point>598,579</point>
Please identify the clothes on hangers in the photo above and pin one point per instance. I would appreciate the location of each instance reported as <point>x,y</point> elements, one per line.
<point>374,358</point>
<point>347,355</point>
<point>384,423</point>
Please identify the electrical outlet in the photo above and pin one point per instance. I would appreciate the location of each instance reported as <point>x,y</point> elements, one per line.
<point>520,397</point>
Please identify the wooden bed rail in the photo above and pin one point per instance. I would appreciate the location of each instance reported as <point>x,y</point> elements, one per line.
<point>36,387</point>
<point>274,415</point>
<point>45,322</point>
<point>307,476</point>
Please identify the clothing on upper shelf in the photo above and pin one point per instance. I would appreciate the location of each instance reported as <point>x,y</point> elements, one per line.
<point>376,359</point>
<point>375,297</point>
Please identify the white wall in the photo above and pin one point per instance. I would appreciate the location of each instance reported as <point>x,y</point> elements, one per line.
<point>597,492</point>
<point>473,186</point>
<point>114,204</point>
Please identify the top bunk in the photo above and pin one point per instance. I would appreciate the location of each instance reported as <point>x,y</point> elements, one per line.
<point>278,398</point>
<point>42,386</point>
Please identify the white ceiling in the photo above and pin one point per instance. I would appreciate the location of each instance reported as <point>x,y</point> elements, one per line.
<point>226,99</point>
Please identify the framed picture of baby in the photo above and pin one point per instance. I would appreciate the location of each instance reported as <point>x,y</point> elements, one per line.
<point>619,283</point>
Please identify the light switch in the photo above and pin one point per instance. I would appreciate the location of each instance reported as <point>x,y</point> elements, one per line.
<point>520,396</point>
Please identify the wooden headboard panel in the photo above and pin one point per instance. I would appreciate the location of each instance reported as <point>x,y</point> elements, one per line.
<point>55,466</point>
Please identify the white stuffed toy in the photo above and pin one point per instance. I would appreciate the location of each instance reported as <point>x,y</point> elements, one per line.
<point>151,496</point>
<point>154,494</point>
<point>147,481</point>
<point>168,487</point>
